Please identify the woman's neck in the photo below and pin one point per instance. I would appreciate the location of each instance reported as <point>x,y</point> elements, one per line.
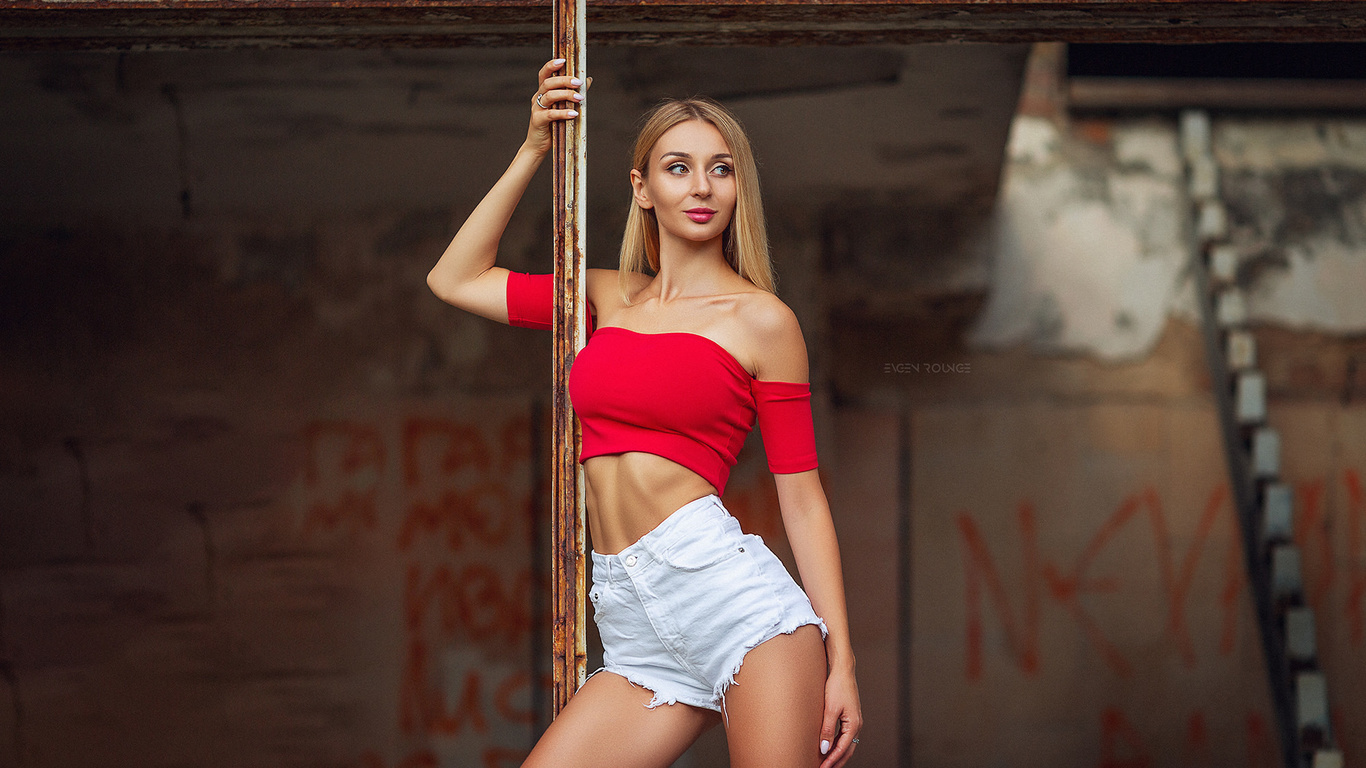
<point>689,269</point>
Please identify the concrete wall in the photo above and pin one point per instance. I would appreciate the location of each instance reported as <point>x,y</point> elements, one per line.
<point>1083,594</point>
<point>265,501</point>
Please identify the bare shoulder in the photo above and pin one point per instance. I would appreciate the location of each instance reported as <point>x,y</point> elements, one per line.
<point>602,291</point>
<point>778,344</point>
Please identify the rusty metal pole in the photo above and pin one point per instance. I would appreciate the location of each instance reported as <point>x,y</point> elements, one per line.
<point>567,518</point>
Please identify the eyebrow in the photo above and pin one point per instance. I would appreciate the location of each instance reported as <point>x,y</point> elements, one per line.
<point>726,155</point>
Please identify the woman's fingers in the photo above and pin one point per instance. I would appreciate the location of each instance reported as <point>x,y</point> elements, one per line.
<point>548,67</point>
<point>829,730</point>
<point>557,98</point>
<point>842,720</point>
<point>841,750</point>
<point>560,94</point>
<point>560,88</point>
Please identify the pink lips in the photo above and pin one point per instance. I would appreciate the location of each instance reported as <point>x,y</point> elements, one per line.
<point>701,215</point>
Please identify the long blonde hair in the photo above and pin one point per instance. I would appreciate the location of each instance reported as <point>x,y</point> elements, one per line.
<point>745,241</point>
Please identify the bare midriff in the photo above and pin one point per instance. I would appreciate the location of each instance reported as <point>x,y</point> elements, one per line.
<point>629,494</point>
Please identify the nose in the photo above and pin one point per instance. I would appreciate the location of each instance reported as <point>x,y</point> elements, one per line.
<point>701,185</point>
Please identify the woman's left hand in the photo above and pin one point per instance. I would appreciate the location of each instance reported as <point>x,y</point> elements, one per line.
<point>843,718</point>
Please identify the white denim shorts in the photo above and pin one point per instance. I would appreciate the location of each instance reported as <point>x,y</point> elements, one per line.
<point>679,609</point>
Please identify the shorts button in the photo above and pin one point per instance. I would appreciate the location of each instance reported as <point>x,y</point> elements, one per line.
<point>742,549</point>
<point>630,560</point>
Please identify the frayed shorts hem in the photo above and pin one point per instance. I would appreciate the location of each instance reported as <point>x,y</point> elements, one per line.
<point>663,696</point>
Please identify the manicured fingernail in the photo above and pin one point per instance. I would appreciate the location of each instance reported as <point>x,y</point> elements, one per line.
<point>573,113</point>
<point>578,97</point>
<point>557,61</point>
<point>825,746</point>
<point>575,82</point>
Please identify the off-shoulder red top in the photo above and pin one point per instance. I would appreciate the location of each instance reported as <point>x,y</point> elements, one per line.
<point>677,395</point>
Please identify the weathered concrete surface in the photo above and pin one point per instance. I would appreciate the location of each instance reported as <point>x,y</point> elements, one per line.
<point>171,139</point>
<point>1081,602</point>
<point>1092,232</point>
<point>1098,607</point>
<point>1296,193</point>
<point>1091,245</point>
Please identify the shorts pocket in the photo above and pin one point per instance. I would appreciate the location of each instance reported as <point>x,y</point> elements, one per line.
<point>719,608</point>
<point>703,545</point>
<point>597,595</point>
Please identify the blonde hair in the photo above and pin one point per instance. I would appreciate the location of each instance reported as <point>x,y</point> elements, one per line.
<point>745,241</point>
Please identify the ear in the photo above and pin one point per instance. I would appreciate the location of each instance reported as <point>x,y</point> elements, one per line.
<point>638,191</point>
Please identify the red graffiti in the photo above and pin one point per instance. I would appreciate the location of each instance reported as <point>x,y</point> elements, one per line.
<point>1121,746</point>
<point>474,601</point>
<point>981,571</point>
<point>348,457</point>
<point>1178,581</point>
<point>463,443</point>
<point>462,447</point>
<point>1312,533</point>
<point>1356,589</point>
<point>1261,746</point>
<point>1235,579</point>
<point>458,483</point>
<point>502,699</point>
<point>1197,741</point>
<point>485,513</point>
<point>457,489</point>
<point>422,705</point>
<point>1069,586</point>
<point>1068,589</point>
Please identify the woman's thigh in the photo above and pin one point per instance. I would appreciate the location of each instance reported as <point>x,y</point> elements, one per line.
<point>607,723</point>
<point>775,707</point>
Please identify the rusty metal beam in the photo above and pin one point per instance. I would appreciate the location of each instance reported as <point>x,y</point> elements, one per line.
<point>570,165</point>
<point>175,24</point>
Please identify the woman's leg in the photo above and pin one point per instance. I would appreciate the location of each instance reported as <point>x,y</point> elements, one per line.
<point>774,708</point>
<point>606,723</point>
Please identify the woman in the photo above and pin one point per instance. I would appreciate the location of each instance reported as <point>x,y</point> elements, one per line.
<point>700,623</point>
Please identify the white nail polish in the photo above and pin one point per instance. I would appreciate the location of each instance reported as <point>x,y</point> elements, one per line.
<point>825,746</point>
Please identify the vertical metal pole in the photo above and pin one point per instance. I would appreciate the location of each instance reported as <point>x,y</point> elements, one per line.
<point>569,140</point>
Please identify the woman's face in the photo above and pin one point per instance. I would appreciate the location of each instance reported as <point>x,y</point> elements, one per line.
<point>689,182</point>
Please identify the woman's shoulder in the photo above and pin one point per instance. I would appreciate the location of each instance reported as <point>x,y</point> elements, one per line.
<point>775,336</point>
<point>766,316</point>
<point>602,287</point>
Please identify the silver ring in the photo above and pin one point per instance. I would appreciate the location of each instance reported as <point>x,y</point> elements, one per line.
<point>855,739</point>
<point>538,101</point>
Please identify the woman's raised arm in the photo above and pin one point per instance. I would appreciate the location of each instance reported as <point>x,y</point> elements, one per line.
<point>465,276</point>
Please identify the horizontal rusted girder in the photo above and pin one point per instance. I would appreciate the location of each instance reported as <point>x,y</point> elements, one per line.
<point>150,25</point>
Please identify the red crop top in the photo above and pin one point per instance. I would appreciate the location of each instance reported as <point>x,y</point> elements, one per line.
<point>677,395</point>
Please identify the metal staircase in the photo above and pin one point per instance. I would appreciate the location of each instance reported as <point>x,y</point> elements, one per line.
<point>1265,505</point>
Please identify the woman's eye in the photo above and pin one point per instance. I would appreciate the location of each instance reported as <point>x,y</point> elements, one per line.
<point>677,168</point>
<point>722,170</point>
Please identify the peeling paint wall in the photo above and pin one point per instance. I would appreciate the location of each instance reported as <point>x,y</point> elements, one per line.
<point>1090,240</point>
<point>1091,236</point>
